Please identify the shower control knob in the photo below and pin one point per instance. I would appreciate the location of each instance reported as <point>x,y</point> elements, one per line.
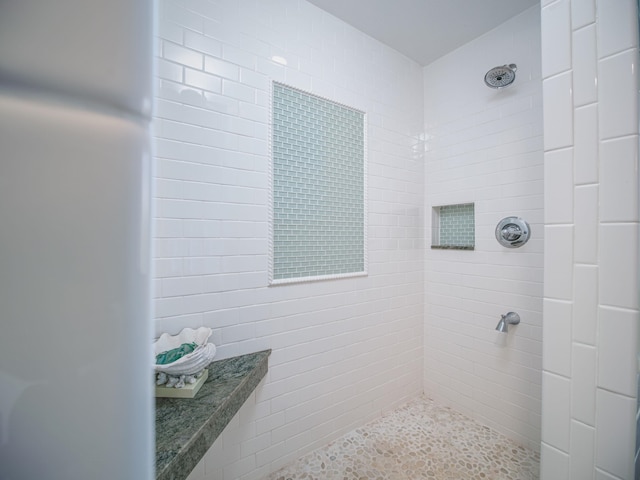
<point>512,232</point>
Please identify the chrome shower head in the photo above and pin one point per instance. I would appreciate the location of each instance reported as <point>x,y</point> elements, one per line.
<point>500,77</point>
<point>511,318</point>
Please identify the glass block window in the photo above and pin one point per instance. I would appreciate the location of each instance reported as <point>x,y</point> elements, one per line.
<point>318,178</point>
<point>454,226</point>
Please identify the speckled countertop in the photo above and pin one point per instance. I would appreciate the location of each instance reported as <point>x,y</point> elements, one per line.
<point>187,427</point>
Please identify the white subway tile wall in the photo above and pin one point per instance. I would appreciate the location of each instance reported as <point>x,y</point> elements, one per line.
<point>585,148</point>
<point>603,252</point>
<point>556,37</point>
<point>615,433</point>
<point>556,422</point>
<point>617,75</point>
<point>585,240</point>
<point>558,261</point>
<point>615,371</point>
<point>582,446</point>
<point>585,66</point>
<point>583,385</point>
<point>558,124</point>
<point>553,463</point>
<point>343,350</point>
<point>558,186</point>
<point>556,340</point>
<point>485,147</point>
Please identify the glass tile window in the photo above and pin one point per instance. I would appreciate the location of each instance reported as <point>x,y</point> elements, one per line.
<point>318,194</point>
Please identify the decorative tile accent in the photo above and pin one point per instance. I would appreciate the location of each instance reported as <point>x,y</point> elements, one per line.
<point>418,440</point>
<point>318,221</point>
<point>454,226</point>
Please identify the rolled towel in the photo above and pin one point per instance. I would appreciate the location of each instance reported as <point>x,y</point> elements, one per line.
<point>172,355</point>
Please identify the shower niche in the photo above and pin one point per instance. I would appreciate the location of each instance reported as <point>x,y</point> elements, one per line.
<point>453,227</point>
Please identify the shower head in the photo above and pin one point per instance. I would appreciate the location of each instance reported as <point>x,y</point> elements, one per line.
<point>500,77</point>
<point>511,318</point>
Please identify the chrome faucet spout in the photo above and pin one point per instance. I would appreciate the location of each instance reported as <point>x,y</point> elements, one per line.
<point>502,325</point>
<point>511,318</point>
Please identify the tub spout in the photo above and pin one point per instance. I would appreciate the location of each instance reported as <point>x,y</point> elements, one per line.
<point>511,318</point>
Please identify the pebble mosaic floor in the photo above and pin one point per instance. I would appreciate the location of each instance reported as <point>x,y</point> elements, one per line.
<point>420,440</point>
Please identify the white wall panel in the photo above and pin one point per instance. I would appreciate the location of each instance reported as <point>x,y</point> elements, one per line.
<point>603,253</point>
<point>485,146</point>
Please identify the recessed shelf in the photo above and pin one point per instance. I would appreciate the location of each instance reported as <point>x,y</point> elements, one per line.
<point>453,227</point>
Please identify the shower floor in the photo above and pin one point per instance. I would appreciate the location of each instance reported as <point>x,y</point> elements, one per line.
<point>418,440</point>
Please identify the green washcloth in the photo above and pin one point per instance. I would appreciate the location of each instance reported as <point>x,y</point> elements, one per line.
<point>172,355</point>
